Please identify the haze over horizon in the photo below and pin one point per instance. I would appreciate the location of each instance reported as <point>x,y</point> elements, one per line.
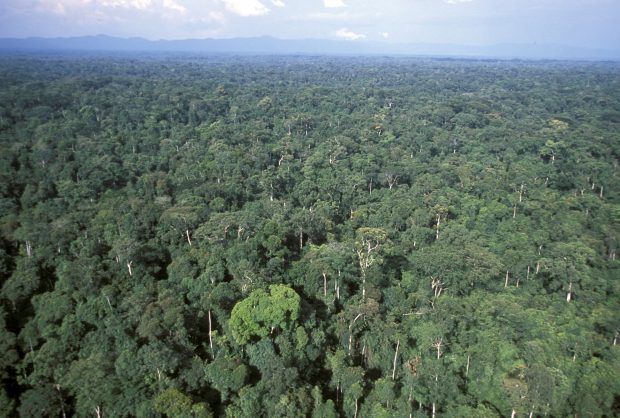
<point>578,23</point>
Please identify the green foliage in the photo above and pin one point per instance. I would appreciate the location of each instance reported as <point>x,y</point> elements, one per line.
<point>308,236</point>
<point>175,404</point>
<point>261,313</point>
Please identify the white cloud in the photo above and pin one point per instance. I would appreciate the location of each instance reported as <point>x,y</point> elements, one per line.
<point>174,6</point>
<point>278,3</point>
<point>216,17</point>
<point>332,4</point>
<point>348,35</point>
<point>456,1</point>
<point>128,4</point>
<point>246,7</point>
<point>385,34</point>
<point>60,7</point>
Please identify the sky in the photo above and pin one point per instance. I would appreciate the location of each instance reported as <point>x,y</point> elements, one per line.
<point>580,23</point>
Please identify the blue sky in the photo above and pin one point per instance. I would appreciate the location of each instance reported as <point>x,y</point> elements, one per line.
<point>583,23</point>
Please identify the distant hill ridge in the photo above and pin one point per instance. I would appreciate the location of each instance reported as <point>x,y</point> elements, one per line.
<point>270,45</point>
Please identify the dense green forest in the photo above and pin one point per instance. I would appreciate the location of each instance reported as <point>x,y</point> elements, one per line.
<point>308,237</point>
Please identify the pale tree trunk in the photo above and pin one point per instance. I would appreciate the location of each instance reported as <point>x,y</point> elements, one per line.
<point>351,333</point>
<point>365,261</point>
<point>467,367</point>
<point>514,211</point>
<point>189,241</point>
<point>210,333</point>
<point>355,416</point>
<point>363,285</point>
<point>570,291</point>
<point>108,300</point>
<point>514,413</point>
<point>615,338</point>
<point>531,414</point>
<point>28,249</point>
<point>98,411</point>
<point>437,230</point>
<point>337,392</point>
<point>391,179</point>
<point>528,273</point>
<point>129,267</point>
<point>324,285</point>
<point>433,409</point>
<point>437,344</point>
<point>337,286</point>
<point>436,286</point>
<point>395,356</point>
<point>506,281</point>
<point>62,402</point>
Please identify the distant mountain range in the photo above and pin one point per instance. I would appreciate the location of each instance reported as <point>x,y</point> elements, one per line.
<point>269,45</point>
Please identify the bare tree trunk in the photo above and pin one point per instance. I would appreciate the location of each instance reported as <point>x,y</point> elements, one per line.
<point>433,409</point>
<point>363,285</point>
<point>188,239</point>
<point>355,416</point>
<point>129,267</point>
<point>350,333</point>
<point>537,267</point>
<point>570,291</point>
<point>506,281</point>
<point>437,344</point>
<point>514,413</point>
<point>62,402</point>
<point>210,334</point>
<point>108,299</point>
<point>395,356</point>
<point>615,338</point>
<point>337,285</point>
<point>601,194</point>
<point>98,411</point>
<point>528,273</point>
<point>467,367</point>
<point>437,230</point>
<point>514,211</point>
<point>28,249</point>
<point>324,285</point>
<point>337,392</point>
<point>301,238</point>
